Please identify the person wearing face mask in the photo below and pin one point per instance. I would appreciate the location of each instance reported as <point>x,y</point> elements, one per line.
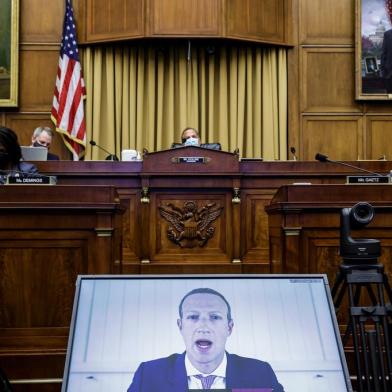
<point>42,137</point>
<point>11,155</point>
<point>191,137</point>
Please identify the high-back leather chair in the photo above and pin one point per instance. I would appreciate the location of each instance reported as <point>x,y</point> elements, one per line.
<point>211,146</point>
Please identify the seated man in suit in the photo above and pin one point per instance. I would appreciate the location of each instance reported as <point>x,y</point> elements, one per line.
<point>205,323</point>
<point>42,137</point>
<point>191,137</point>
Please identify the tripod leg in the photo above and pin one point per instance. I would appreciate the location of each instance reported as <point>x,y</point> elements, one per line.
<point>387,331</point>
<point>372,349</point>
<point>381,362</point>
<point>338,281</point>
<point>338,290</point>
<point>374,360</point>
<point>340,295</point>
<point>385,326</point>
<point>365,356</point>
<point>387,287</point>
<point>388,351</point>
<point>354,325</point>
<point>347,333</point>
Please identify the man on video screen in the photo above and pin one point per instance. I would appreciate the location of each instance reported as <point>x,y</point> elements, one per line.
<point>205,322</point>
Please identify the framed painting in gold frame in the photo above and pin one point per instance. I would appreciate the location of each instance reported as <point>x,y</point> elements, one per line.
<point>9,49</point>
<point>373,49</point>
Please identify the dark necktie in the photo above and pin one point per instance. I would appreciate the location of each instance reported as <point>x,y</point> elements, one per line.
<point>207,381</point>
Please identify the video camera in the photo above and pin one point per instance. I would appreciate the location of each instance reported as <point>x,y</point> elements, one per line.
<point>361,250</point>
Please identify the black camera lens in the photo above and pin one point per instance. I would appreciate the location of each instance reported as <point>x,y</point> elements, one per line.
<point>361,214</point>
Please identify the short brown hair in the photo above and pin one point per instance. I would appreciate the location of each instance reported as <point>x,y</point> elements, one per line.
<point>205,290</point>
<point>187,128</point>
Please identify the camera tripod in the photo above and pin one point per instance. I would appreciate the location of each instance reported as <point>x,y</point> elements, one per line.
<point>369,323</point>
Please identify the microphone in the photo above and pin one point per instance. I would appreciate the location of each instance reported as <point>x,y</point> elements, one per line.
<point>324,158</point>
<point>292,150</point>
<point>110,157</point>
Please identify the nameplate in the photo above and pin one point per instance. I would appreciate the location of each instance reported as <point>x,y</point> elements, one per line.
<point>190,159</point>
<point>368,180</point>
<point>31,180</point>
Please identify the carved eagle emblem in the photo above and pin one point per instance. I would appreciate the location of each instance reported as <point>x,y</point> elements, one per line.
<point>190,226</point>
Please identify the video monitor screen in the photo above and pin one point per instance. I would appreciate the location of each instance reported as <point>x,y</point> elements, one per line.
<point>242,333</point>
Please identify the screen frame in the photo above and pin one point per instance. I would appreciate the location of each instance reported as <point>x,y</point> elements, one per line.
<point>64,387</point>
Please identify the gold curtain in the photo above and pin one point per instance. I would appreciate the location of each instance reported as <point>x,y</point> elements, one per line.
<point>142,96</point>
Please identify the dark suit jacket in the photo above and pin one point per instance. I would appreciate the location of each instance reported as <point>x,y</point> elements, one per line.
<point>26,167</point>
<point>169,375</point>
<point>52,157</point>
<point>386,55</point>
<point>21,167</point>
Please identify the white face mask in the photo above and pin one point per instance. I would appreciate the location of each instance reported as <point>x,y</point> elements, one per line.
<point>192,141</point>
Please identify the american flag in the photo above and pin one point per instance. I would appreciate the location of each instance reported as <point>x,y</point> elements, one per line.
<point>67,106</point>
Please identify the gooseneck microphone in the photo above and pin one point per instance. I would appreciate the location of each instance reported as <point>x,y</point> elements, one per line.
<point>110,157</point>
<point>324,158</point>
<point>292,150</point>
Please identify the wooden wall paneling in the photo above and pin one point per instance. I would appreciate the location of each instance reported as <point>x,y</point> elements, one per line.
<point>322,249</point>
<point>257,20</point>
<point>292,258</point>
<point>41,21</point>
<point>37,77</point>
<point>318,208</point>
<point>50,367</point>
<point>340,137</point>
<point>291,27</point>
<point>254,226</point>
<point>377,107</point>
<point>291,238</point>
<point>285,236</point>
<point>109,20</point>
<point>105,245</point>
<point>79,8</point>
<point>185,17</point>
<point>24,125</point>
<point>45,299</point>
<point>276,249</point>
<point>321,252</point>
<point>132,235</point>
<point>35,317</point>
<point>327,22</point>
<point>38,386</point>
<point>327,80</point>
<point>378,130</point>
<point>48,236</point>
